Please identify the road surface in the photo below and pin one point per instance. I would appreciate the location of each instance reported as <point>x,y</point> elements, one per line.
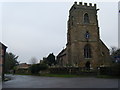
<point>27,81</point>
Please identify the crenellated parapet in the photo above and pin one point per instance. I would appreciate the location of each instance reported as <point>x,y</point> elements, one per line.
<point>83,6</point>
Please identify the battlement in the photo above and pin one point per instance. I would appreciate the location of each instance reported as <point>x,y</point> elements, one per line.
<point>83,5</point>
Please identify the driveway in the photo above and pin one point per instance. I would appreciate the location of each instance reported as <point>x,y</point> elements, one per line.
<point>27,81</point>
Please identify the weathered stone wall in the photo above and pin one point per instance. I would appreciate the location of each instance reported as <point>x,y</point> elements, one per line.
<point>76,39</point>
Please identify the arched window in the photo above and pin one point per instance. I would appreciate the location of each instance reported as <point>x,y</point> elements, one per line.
<point>87,51</point>
<point>86,18</point>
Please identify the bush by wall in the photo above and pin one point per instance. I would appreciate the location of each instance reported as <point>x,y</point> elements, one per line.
<point>72,70</point>
<point>36,68</point>
<point>22,71</point>
<point>114,70</point>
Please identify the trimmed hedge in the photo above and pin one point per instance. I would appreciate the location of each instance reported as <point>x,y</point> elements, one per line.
<point>36,68</point>
<point>72,70</point>
<point>114,70</point>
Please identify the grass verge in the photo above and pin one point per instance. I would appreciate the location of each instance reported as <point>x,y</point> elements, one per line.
<point>107,76</point>
<point>57,75</point>
<point>71,75</point>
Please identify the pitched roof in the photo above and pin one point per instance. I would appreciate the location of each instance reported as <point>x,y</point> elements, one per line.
<point>3,45</point>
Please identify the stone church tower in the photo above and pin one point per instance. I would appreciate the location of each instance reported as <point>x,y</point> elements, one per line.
<point>83,40</point>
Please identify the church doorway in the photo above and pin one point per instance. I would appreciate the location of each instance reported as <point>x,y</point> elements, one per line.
<point>87,65</point>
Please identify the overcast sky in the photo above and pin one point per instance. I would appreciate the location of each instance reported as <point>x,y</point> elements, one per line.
<point>35,29</point>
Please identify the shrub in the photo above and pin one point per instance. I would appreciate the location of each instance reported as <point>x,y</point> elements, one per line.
<point>114,70</point>
<point>38,67</point>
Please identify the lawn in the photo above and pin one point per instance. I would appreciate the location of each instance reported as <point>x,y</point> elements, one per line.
<point>71,75</point>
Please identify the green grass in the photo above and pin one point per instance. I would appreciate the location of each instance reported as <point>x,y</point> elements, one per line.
<point>56,75</point>
<point>70,75</point>
<point>59,75</point>
<point>23,74</point>
<point>107,76</point>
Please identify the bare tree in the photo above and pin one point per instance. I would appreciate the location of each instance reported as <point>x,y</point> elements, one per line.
<point>33,60</point>
<point>113,50</point>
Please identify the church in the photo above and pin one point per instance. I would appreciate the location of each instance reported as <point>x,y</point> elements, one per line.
<point>83,40</point>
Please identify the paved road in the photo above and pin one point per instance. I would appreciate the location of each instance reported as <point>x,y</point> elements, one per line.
<point>24,81</point>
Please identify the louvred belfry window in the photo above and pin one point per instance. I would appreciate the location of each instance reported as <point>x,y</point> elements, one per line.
<point>86,18</point>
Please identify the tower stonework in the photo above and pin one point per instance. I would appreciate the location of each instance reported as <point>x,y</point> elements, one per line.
<point>83,39</point>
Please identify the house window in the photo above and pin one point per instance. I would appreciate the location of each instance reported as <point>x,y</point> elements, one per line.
<point>86,18</point>
<point>87,51</point>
